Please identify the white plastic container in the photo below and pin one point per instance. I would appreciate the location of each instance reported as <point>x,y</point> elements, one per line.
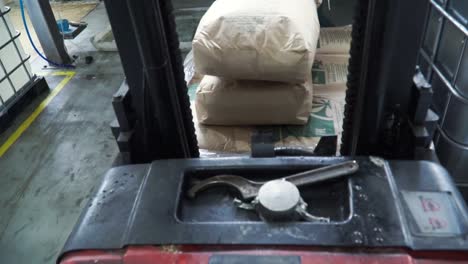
<point>15,70</point>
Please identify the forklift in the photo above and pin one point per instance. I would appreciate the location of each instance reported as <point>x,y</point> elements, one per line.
<point>385,199</point>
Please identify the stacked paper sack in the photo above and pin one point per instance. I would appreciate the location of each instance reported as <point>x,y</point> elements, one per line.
<point>256,58</point>
<point>329,77</point>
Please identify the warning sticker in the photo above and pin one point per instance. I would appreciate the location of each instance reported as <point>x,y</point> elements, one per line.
<point>433,212</point>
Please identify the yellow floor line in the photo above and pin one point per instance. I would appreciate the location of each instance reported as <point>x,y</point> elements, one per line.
<point>25,125</point>
<point>55,73</point>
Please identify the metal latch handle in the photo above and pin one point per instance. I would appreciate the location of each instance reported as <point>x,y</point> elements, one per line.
<point>323,174</point>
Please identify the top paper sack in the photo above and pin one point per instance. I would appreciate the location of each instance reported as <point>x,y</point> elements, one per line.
<point>272,40</point>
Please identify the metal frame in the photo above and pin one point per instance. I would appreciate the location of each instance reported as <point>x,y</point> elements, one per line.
<point>32,89</point>
<point>452,150</point>
<point>433,68</point>
<point>12,40</point>
<point>21,95</point>
<point>379,81</point>
<point>386,39</point>
<point>160,108</point>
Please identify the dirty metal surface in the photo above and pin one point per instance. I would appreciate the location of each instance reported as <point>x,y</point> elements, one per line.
<point>147,204</point>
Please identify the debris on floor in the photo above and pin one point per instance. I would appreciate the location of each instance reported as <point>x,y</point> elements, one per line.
<point>104,41</point>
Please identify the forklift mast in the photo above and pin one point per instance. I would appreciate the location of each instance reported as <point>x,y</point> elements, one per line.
<point>153,108</point>
<point>158,120</point>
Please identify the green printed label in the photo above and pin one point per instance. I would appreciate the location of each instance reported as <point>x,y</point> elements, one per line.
<point>192,91</point>
<point>321,121</point>
<point>320,124</point>
<point>318,73</point>
<point>319,77</point>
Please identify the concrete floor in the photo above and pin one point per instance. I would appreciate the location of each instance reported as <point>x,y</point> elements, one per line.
<point>48,174</point>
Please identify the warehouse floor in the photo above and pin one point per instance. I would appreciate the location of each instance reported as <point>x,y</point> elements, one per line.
<point>47,175</point>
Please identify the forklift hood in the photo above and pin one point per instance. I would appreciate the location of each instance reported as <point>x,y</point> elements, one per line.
<point>411,205</point>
